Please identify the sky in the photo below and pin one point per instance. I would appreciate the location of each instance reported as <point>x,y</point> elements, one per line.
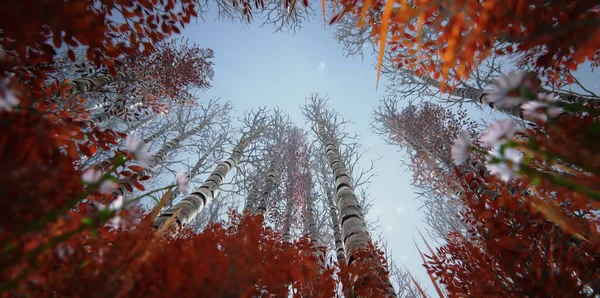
<point>255,67</point>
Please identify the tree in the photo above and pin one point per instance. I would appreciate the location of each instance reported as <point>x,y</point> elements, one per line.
<point>426,133</point>
<point>186,209</point>
<point>373,279</point>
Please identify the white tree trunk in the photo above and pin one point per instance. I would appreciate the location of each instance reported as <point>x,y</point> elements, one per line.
<point>193,204</point>
<point>354,230</point>
<point>270,183</point>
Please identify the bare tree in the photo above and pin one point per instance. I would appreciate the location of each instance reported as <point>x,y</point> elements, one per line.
<point>194,203</point>
<point>281,15</point>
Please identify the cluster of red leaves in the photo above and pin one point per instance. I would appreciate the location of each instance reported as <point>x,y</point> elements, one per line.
<point>368,274</point>
<point>31,31</point>
<point>240,258</point>
<point>434,37</point>
<point>165,75</point>
<point>520,243</point>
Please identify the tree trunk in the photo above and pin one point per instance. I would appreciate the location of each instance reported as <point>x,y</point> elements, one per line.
<point>155,135</point>
<point>193,172</point>
<point>354,229</point>
<point>287,219</point>
<point>193,204</point>
<point>312,230</point>
<point>270,183</point>
<point>96,82</point>
<point>337,234</point>
<point>163,151</point>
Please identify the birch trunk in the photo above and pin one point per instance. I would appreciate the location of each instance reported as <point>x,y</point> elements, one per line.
<point>287,215</point>
<point>96,82</point>
<point>174,143</point>
<point>158,133</point>
<point>270,183</point>
<point>312,230</point>
<point>193,204</point>
<point>162,153</point>
<point>481,96</point>
<point>193,172</point>
<point>337,234</point>
<point>354,231</point>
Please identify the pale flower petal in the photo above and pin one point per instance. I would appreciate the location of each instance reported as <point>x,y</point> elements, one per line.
<point>460,149</point>
<point>8,97</point>
<point>548,97</point>
<point>183,183</point>
<point>116,204</point>
<point>141,151</point>
<point>540,110</point>
<point>509,164</point>
<point>91,176</point>
<point>498,133</point>
<point>108,186</point>
<point>505,91</point>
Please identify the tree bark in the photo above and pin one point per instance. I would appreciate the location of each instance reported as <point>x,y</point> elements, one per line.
<point>354,231</point>
<point>193,204</point>
<point>96,82</point>
<point>270,183</point>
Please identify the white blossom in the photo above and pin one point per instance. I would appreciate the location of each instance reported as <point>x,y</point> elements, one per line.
<point>115,205</point>
<point>140,150</point>
<point>548,97</point>
<point>460,149</point>
<point>8,97</point>
<point>108,186</point>
<point>537,110</point>
<point>183,183</point>
<point>505,90</point>
<point>509,164</point>
<point>498,133</point>
<point>91,176</point>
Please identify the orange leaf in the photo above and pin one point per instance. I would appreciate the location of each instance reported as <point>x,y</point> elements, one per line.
<point>385,20</point>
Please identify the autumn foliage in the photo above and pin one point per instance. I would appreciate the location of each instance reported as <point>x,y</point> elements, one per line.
<point>532,216</point>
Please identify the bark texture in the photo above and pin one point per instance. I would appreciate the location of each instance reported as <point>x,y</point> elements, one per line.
<point>270,183</point>
<point>354,230</point>
<point>192,204</point>
<point>96,82</point>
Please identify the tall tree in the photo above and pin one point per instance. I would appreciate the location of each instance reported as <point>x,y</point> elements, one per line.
<point>192,204</point>
<point>353,226</point>
<point>426,133</point>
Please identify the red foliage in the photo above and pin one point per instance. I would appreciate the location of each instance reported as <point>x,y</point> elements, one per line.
<point>514,250</point>
<point>363,277</point>
<point>435,37</point>
<point>238,259</point>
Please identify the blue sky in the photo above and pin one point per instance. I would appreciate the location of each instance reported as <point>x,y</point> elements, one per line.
<point>254,67</point>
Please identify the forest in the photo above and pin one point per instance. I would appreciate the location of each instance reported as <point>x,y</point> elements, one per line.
<point>120,177</point>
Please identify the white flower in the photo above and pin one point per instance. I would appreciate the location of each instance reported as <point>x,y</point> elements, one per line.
<point>548,97</point>
<point>505,91</point>
<point>8,97</point>
<point>91,176</point>
<point>460,149</point>
<point>140,150</point>
<point>115,205</point>
<point>537,110</point>
<point>183,183</point>
<point>108,186</point>
<point>498,133</point>
<point>509,164</point>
